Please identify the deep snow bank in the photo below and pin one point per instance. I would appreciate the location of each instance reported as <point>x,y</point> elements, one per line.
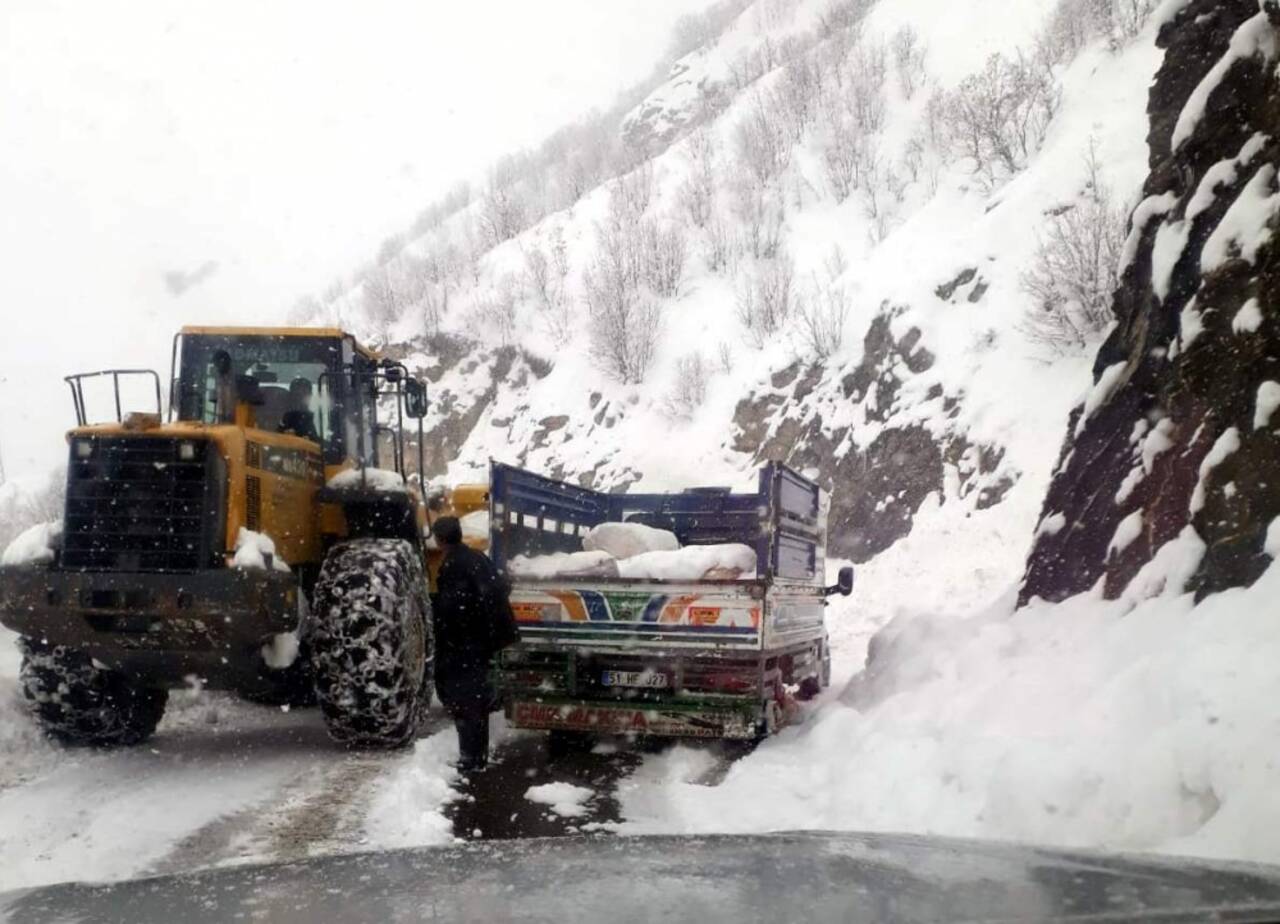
<point>1128,724</point>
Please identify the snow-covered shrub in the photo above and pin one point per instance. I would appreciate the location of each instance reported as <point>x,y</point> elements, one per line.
<point>545,275</point>
<point>841,146</point>
<point>1126,18</point>
<point>823,309</point>
<point>760,213</point>
<point>1075,273</point>
<point>997,117</point>
<point>697,192</point>
<point>761,142</point>
<point>724,357</point>
<point>633,192</point>
<point>798,92</point>
<point>662,254</point>
<point>495,310</point>
<point>765,299</point>
<point>623,316</point>
<point>842,16</point>
<point>720,246</point>
<point>504,211</point>
<point>908,59</point>
<point>690,389</point>
<point>870,67</point>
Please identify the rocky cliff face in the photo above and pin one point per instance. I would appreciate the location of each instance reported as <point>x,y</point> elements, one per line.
<point>1182,428</point>
<point>878,445</point>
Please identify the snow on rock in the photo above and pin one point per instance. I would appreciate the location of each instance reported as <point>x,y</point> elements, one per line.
<point>1265,404</point>
<point>254,550</point>
<point>1247,224</point>
<point>626,540</point>
<point>1106,386</point>
<point>1272,545</point>
<point>1223,175</point>
<point>692,563</point>
<point>1222,447</point>
<point>1085,723</point>
<point>1255,37</point>
<point>558,564</point>
<point>1051,524</point>
<point>565,799</point>
<point>1147,210</point>
<point>1130,528</point>
<point>281,651</point>
<point>377,479</point>
<point>34,546</point>
<point>1248,319</point>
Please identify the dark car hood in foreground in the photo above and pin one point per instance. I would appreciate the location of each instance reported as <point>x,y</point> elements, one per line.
<point>776,877</point>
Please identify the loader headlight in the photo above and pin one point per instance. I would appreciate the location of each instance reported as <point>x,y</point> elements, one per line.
<point>82,448</point>
<point>187,451</point>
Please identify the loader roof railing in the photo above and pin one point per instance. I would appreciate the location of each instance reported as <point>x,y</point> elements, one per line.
<point>76,382</point>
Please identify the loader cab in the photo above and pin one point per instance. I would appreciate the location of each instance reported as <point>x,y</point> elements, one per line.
<point>316,384</point>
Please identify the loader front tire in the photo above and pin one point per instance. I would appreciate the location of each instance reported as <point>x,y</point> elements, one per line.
<point>78,702</point>
<point>370,643</point>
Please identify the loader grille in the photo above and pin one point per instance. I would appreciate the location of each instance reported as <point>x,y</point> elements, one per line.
<point>134,504</point>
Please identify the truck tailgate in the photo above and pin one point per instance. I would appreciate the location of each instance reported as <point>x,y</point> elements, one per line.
<point>713,615</point>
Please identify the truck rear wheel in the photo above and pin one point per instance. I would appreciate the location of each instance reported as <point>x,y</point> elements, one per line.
<point>77,702</point>
<point>370,643</point>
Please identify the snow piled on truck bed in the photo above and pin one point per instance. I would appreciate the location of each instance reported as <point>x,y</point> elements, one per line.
<point>1136,724</point>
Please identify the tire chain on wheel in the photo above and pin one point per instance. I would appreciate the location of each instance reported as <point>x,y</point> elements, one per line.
<point>78,702</point>
<point>369,603</point>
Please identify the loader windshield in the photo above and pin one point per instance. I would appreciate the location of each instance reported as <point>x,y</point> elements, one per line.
<point>293,376</point>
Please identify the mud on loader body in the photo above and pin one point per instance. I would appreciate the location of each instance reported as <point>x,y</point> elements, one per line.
<point>271,432</point>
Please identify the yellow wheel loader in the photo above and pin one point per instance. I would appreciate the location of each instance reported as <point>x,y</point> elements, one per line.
<point>260,536</point>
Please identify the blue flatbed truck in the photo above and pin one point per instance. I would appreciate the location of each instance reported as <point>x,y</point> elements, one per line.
<point>703,658</point>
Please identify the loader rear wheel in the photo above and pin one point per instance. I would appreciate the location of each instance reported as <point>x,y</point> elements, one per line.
<point>370,643</point>
<point>77,702</point>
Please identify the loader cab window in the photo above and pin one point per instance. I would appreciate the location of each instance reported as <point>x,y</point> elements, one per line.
<point>292,378</point>
<point>361,419</point>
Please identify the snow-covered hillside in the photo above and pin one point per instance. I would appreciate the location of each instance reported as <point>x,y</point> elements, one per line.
<point>808,267</point>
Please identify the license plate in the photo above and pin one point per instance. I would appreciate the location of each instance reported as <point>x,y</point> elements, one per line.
<point>652,680</point>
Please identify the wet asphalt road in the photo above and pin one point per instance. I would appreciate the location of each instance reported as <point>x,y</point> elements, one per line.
<point>493,804</point>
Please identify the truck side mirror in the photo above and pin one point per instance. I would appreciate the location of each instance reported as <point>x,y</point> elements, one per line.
<point>844,582</point>
<point>415,398</point>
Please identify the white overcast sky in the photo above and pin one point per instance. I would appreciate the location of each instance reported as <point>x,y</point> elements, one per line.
<point>283,139</point>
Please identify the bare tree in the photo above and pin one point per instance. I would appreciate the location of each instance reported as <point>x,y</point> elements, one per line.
<point>763,148</point>
<point>908,59</point>
<point>823,311</point>
<point>545,279</point>
<point>760,213</point>
<point>721,245</point>
<point>998,116</point>
<point>634,191</point>
<point>1075,272</point>
<point>504,210</point>
<point>662,254</point>
<point>765,299</point>
<point>690,389</point>
<point>623,318</point>
<point>495,310</point>
<point>724,357</point>
<point>797,95</point>
<point>697,194</point>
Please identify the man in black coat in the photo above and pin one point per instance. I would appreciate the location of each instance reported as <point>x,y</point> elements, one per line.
<point>473,621</point>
